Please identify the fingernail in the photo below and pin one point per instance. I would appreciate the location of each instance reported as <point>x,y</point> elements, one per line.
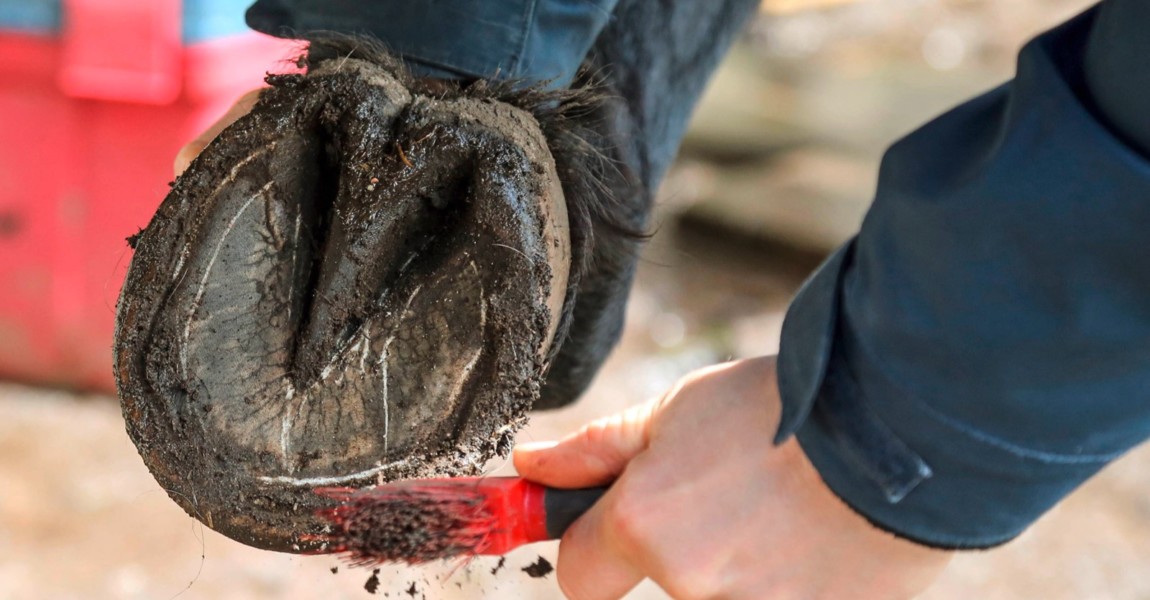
<point>535,446</point>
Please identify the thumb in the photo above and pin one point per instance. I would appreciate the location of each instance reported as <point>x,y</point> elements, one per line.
<point>193,148</point>
<point>594,455</point>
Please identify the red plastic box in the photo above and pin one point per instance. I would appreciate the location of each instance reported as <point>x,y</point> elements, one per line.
<point>90,120</point>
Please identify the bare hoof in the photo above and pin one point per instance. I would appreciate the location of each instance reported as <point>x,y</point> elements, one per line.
<point>353,283</point>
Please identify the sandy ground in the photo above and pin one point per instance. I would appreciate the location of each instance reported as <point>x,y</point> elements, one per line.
<point>80,517</point>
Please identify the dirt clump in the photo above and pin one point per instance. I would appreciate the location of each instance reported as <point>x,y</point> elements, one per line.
<point>539,568</point>
<point>372,583</point>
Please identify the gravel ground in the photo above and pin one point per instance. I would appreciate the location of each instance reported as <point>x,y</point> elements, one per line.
<point>80,517</point>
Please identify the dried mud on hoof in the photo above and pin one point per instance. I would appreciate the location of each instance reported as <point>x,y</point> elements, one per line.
<point>354,283</point>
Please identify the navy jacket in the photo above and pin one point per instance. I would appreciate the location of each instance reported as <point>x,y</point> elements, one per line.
<point>982,346</point>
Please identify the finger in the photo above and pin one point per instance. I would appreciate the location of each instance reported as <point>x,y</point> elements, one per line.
<point>594,455</point>
<point>592,562</point>
<point>193,148</point>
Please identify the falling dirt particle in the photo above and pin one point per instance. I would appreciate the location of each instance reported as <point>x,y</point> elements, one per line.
<point>502,561</point>
<point>334,570</point>
<point>539,568</point>
<point>372,584</point>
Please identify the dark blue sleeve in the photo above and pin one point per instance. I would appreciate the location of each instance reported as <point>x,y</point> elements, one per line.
<point>982,347</point>
<point>529,40</point>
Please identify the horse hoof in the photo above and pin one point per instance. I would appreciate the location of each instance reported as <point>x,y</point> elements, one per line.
<point>354,283</point>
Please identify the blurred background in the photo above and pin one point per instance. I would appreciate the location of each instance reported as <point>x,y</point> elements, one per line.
<point>777,170</point>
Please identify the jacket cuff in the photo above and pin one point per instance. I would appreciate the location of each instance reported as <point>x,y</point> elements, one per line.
<point>920,475</point>
<point>979,350</point>
<point>904,466</point>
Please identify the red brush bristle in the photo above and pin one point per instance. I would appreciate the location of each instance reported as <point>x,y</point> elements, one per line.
<point>411,524</point>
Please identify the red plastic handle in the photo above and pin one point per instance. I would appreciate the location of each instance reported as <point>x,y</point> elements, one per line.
<point>518,507</point>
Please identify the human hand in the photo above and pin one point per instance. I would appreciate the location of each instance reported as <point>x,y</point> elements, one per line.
<point>705,505</point>
<point>193,148</point>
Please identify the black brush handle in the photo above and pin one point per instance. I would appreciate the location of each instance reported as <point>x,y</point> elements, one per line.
<point>563,507</point>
